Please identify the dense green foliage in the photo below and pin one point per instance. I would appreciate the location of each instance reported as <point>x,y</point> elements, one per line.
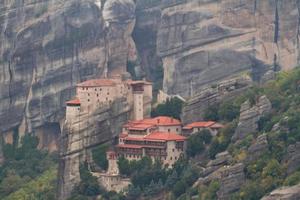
<point>197,142</point>
<point>88,186</point>
<point>43,187</point>
<point>172,108</point>
<point>150,178</point>
<point>23,165</point>
<point>99,156</point>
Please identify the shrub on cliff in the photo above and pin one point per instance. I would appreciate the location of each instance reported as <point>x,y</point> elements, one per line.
<point>172,108</point>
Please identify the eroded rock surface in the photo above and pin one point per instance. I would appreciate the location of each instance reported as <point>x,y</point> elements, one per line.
<point>284,193</point>
<point>258,148</point>
<point>231,178</point>
<point>250,115</point>
<point>204,41</point>
<point>84,133</point>
<point>49,46</point>
<point>196,106</point>
<point>292,159</point>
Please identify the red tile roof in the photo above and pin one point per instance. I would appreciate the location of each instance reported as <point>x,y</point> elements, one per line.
<point>217,125</point>
<point>157,121</point>
<point>140,126</point>
<point>97,83</point>
<point>75,101</point>
<point>165,136</point>
<point>199,125</point>
<point>123,135</point>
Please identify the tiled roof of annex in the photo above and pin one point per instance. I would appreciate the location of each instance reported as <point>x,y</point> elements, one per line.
<point>165,136</point>
<point>157,121</point>
<point>156,136</point>
<point>204,124</point>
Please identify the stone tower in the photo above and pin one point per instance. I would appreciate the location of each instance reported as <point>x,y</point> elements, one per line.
<point>138,100</point>
<point>112,158</point>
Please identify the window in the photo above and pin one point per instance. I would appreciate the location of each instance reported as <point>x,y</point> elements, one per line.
<point>88,100</point>
<point>95,89</point>
<point>173,150</point>
<point>171,158</point>
<point>177,129</point>
<point>108,93</point>
<point>97,95</point>
<point>106,99</point>
<point>100,89</point>
<point>88,94</point>
<point>175,158</point>
<point>169,130</point>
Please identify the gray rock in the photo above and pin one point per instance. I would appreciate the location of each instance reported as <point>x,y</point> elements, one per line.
<point>196,106</point>
<point>249,116</point>
<point>258,148</point>
<point>200,40</point>
<point>292,158</point>
<point>231,178</point>
<point>47,47</point>
<point>223,158</point>
<point>284,193</point>
<point>78,138</point>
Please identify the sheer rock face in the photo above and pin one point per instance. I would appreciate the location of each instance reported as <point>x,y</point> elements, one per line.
<point>284,193</point>
<point>205,41</point>
<point>80,136</point>
<point>49,46</point>
<point>249,116</point>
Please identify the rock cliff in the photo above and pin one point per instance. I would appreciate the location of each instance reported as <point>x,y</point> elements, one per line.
<point>199,41</point>
<point>48,46</point>
<point>249,117</point>
<point>84,133</point>
<point>196,106</point>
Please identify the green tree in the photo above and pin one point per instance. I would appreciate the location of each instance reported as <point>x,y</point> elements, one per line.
<point>228,111</point>
<point>88,185</point>
<point>99,156</point>
<point>179,188</point>
<point>133,192</point>
<point>172,108</point>
<point>171,180</point>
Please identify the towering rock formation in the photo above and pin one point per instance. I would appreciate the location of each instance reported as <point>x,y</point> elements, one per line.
<point>205,41</point>
<point>46,47</point>
<point>83,133</point>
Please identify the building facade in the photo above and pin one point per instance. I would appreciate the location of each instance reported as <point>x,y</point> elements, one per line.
<point>92,94</point>
<point>158,138</point>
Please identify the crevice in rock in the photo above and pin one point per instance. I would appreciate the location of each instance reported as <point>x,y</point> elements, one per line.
<point>10,82</point>
<point>276,23</point>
